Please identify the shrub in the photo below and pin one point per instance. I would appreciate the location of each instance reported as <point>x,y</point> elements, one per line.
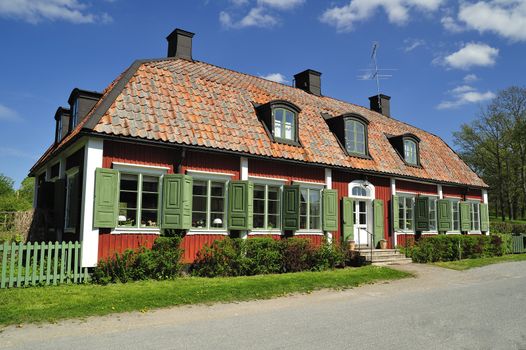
<point>298,255</point>
<point>507,227</point>
<point>263,256</point>
<point>455,247</point>
<point>161,262</point>
<point>221,258</point>
<point>329,256</point>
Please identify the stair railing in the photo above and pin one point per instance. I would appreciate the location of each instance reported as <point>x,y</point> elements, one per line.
<point>371,241</point>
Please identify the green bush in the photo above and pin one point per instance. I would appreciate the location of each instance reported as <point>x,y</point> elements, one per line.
<point>455,247</point>
<point>163,261</point>
<point>238,257</point>
<point>506,227</point>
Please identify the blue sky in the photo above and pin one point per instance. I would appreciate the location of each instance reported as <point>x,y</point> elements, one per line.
<point>450,57</point>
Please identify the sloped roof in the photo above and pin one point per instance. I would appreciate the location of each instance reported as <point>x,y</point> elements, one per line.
<point>199,104</point>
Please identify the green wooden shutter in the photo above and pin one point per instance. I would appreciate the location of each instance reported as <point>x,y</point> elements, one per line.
<point>444,214</point>
<point>291,207</point>
<point>484,217</point>
<point>59,203</point>
<point>378,226</point>
<point>240,205</point>
<point>465,216</point>
<point>330,210</point>
<point>395,212</point>
<point>348,218</point>
<point>106,198</point>
<point>177,202</point>
<point>422,213</point>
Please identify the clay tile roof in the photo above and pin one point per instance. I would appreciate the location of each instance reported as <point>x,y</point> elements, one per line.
<point>199,104</point>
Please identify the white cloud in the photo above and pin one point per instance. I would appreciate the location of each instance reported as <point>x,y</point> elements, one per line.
<point>277,77</point>
<point>451,25</point>
<point>471,55</point>
<point>8,114</point>
<point>256,17</point>
<point>465,94</point>
<point>411,44</point>
<point>470,78</point>
<point>398,11</point>
<point>506,18</point>
<point>35,11</point>
<point>281,4</point>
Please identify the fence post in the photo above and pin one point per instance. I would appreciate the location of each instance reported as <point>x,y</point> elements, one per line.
<point>20,258</point>
<point>36,247</point>
<point>55,264</point>
<point>68,270</point>
<point>4,265</point>
<point>48,263</point>
<point>27,276</point>
<point>62,261</point>
<point>76,266</point>
<point>12,265</point>
<point>42,255</point>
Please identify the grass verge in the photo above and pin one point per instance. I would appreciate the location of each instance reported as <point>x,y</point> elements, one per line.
<point>471,263</point>
<point>41,304</point>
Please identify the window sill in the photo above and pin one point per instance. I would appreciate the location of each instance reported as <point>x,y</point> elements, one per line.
<point>197,231</point>
<point>405,232</point>
<point>309,232</point>
<point>135,230</point>
<point>265,232</point>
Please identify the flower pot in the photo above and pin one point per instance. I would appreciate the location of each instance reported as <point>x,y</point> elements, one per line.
<point>383,244</point>
<point>352,245</point>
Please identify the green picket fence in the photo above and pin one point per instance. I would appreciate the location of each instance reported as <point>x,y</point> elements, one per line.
<point>41,264</point>
<point>518,243</point>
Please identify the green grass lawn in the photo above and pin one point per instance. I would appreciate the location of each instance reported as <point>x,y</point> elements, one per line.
<point>498,220</point>
<point>471,263</point>
<point>38,304</point>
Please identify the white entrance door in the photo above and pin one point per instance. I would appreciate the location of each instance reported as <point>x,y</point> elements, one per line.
<point>361,212</point>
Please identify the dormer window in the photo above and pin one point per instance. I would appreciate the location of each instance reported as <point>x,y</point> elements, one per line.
<point>59,129</point>
<point>408,148</point>
<point>410,152</point>
<point>355,136</point>
<point>280,119</point>
<point>351,131</point>
<point>74,114</point>
<point>284,123</point>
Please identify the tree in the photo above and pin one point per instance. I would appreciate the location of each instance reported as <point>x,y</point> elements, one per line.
<point>494,145</point>
<point>11,200</point>
<point>27,189</point>
<point>6,185</point>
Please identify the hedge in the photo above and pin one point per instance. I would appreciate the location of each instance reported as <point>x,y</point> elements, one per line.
<point>456,247</point>
<point>507,227</point>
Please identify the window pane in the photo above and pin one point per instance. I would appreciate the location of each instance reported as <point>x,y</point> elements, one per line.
<point>289,125</point>
<point>303,222</point>
<point>217,220</point>
<point>149,201</point>
<point>217,204</point>
<point>259,207</point>
<point>198,220</point>
<point>150,184</point>
<point>259,192</point>
<point>314,203</point>
<point>127,217</point>
<point>273,207</point>
<point>303,201</point>
<point>278,122</point>
<point>199,203</point>
<point>273,221</point>
<point>199,188</point>
<point>273,193</point>
<point>129,182</point>
<point>149,218</point>
<point>218,189</point>
<point>259,221</point>
<point>314,222</point>
<point>128,200</point>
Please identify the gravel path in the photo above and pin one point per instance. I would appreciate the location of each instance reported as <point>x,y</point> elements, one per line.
<point>482,308</point>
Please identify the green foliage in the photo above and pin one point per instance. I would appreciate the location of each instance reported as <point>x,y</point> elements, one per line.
<point>27,189</point>
<point>455,247</point>
<point>11,200</point>
<point>507,227</point>
<point>163,261</point>
<point>238,257</point>
<point>6,185</point>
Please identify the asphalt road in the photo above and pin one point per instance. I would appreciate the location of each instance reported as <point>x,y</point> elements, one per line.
<point>483,308</point>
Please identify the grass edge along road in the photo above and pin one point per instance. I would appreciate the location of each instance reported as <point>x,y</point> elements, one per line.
<point>466,264</point>
<point>49,304</point>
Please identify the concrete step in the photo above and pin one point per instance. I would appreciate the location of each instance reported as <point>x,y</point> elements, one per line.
<point>404,261</point>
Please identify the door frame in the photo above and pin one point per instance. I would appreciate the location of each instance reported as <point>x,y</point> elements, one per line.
<point>362,190</point>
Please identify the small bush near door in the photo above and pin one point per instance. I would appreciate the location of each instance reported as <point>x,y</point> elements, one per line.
<point>455,247</point>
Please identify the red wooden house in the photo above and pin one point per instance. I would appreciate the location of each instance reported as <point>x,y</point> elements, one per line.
<point>175,143</point>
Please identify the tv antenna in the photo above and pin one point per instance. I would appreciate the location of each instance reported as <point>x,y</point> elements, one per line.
<point>375,73</point>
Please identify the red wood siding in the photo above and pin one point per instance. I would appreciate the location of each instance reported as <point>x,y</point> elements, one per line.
<point>382,190</point>
<point>462,192</point>
<point>415,187</point>
<point>276,237</point>
<point>109,244</point>
<point>191,244</point>
<point>213,162</point>
<point>281,170</point>
<point>139,154</point>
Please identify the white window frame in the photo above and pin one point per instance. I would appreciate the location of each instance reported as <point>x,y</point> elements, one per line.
<point>140,169</point>
<point>263,181</point>
<point>309,186</point>
<point>435,199</point>
<point>474,217</point>
<point>455,201</point>
<point>71,173</point>
<point>412,196</point>
<point>413,152</point>
<point>209,177</point>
